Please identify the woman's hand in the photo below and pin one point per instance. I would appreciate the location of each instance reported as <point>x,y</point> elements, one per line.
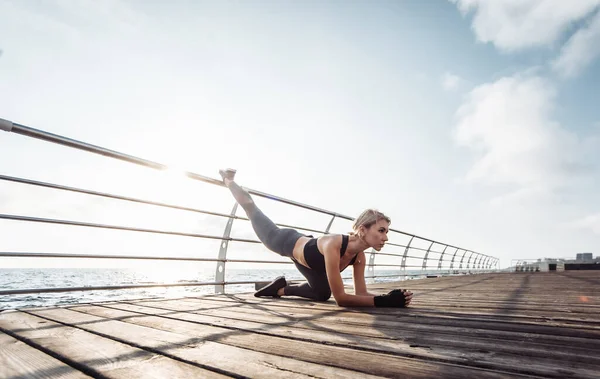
<point>395,298</point>
<point>407,297</point>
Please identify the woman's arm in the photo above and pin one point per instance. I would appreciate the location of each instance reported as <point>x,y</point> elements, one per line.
<point>360,286</point>
<point>331,252</point>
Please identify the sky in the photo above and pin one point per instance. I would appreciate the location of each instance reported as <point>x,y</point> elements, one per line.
<point>470,122</point>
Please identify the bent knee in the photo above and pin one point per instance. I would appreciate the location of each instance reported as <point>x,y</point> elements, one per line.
<point>323,295</point>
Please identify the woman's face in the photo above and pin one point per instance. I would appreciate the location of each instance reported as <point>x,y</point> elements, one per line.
<point>376,234</point>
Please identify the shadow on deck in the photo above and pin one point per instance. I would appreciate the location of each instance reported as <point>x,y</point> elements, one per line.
<point>483,326</point>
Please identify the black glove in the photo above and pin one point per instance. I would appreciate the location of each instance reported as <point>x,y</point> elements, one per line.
<point>394,298</point>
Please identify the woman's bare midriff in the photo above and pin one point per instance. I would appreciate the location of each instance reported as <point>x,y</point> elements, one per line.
<point>299,252</point>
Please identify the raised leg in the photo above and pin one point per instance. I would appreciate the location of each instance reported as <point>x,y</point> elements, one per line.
<point>281,241</point>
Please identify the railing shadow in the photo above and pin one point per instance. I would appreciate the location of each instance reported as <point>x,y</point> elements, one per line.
<point>507,307</point>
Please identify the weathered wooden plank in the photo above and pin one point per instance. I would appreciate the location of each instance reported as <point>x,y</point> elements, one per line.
<point>387,327</point>
<point>191,348</point>
<point>502,314</point>
<point>513,309</point>
<point>567,318</point>
<point>448,337</point>
<point>95,355</point>
<point>21,361</point>
<point>464,326</point>
<point>339,357</point>
<point>412,321</point>
<point>538,326</point>
<point>319,334</point>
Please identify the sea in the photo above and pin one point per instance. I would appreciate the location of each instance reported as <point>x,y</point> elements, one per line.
<point>37,278</point>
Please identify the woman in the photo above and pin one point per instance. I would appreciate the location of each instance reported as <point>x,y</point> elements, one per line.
<point>322,259</point>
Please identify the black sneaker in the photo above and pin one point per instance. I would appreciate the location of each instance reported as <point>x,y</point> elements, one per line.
<point>270,290</point>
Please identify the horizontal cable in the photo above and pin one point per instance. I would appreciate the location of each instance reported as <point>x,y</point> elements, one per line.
<point>124,228</point>
<point>147,257</point>
<point>438,260</point>
<point>113,196</point>
<point>256,261</point>
<point>54,138</point>
<point>102,256</point>
<point>385,265</point>
<point>394,244</point>
<point>129,286</point>
<point>394,276</point>
<point>132,257</point>
<point>416,248</point>
<point>387,254</point>
<point>114,227</point>
<point>422,274</point>
<point>136,200</point>
<point>411,256</point>
<point>101,288</point>
<point>110,288</point>
<point>134,286</point>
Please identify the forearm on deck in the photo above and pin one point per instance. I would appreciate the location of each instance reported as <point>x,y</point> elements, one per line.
<point>365,294</point>
<point>347,300</point>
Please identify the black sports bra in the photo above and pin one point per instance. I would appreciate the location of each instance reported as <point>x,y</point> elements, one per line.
<point>316,260</point>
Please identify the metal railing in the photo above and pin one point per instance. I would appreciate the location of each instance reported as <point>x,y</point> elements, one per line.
<point>454,255</point>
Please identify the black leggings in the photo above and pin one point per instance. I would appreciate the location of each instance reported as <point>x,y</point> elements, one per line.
<point>282,241</point>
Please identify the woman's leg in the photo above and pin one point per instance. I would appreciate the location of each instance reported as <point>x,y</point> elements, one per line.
<point>281,241</point>
<point>317,287</point>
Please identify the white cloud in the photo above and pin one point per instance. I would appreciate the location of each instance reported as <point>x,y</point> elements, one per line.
<point>591,222</point>
<point>509,124</point>
<point>518,24</point>
<point>451,82</point>
<point>581,49</point>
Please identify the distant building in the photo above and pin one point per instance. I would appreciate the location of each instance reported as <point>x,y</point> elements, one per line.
<point>585,257</point>
<point>583,261</point>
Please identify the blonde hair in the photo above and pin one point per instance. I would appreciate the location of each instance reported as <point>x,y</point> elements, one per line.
<point>368,218</point>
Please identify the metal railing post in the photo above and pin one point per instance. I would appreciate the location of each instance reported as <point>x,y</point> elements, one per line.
<point>424,265</point>
<point>479,262</point>
<point>469,261</point>
<point>220,269</point>
<point>461,260</point>
<point>442,258</point>
<point>329,225</point>
<point>452,261</point>
<point>403,263</point>
<point>371,265</point>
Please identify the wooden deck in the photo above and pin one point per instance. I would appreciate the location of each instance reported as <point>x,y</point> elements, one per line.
<point>475,326</point>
